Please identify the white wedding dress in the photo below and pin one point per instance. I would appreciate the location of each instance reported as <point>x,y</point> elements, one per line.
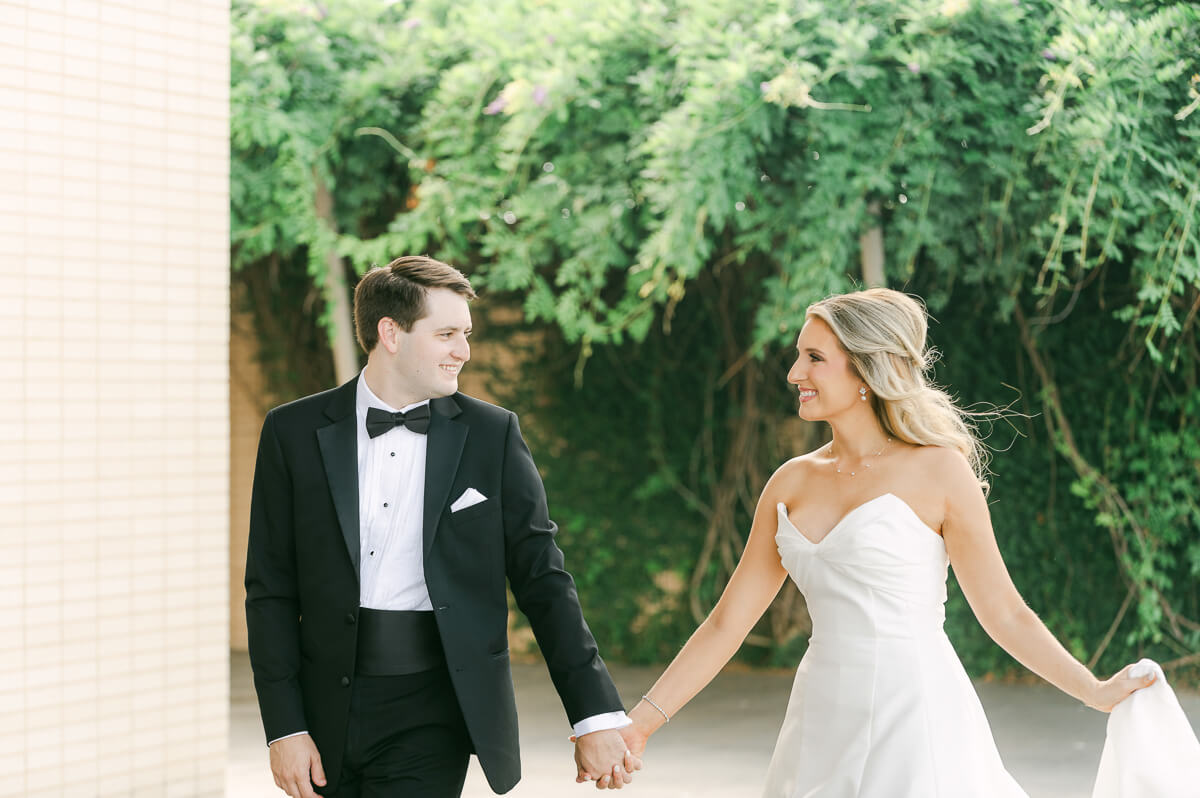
<point>881,706</point>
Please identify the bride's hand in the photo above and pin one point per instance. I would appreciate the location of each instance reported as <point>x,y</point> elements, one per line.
<point>1108,694</point>
<point>635,738</point>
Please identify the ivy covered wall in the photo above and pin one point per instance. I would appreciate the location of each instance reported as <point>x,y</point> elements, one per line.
<point>663,187</point>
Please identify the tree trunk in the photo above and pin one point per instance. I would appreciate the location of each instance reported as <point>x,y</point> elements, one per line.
<point>870,247</point>
<point>337,298</point>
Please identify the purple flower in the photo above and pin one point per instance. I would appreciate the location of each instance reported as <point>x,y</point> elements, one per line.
<point>410,23</point>
<point>914,67</point>
<point>551,39</point>
<point>764,87</point>
<point>539,95</point>
<point>496,106</point>
<point>1049,55</point>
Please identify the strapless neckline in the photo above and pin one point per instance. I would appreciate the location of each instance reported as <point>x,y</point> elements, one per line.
<point>783,512</point>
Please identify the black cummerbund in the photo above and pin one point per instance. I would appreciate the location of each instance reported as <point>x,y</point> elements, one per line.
<point>396,642</point>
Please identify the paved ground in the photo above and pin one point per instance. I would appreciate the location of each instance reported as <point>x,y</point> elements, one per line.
<point>719,745</point>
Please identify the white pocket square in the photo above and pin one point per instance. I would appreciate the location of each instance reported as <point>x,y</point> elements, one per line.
<point>469,498</point>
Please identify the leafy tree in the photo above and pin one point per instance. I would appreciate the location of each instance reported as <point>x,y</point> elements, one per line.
<point>663,187</point>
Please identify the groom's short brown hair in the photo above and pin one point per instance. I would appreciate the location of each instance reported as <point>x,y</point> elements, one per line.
<point>397,291</point>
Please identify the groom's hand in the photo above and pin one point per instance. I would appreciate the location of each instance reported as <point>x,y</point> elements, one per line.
<point>296,766</point>
<point>603,755</point>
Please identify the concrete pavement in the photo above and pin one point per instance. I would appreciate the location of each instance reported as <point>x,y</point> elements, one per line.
<point>720,744</point>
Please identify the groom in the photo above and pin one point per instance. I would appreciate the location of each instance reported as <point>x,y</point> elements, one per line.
<point>386,515</point>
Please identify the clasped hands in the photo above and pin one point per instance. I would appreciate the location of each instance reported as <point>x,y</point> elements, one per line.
<point>609,757</point>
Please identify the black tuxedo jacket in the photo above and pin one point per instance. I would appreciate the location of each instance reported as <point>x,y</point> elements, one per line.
<point>302,568</point>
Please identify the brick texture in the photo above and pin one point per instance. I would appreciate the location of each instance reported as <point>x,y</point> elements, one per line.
<point>114,417</point>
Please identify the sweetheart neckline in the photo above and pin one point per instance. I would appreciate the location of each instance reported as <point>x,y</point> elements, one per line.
<point>852,511</point>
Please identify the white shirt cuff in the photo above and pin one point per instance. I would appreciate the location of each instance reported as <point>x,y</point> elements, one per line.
<point>297,734</point>
<point>604,722</point>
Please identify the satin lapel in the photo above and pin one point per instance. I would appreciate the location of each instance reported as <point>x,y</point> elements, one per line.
<point>339,450</point>
<point>444,449</point>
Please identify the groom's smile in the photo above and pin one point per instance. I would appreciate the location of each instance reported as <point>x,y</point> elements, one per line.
<point>431,355</point>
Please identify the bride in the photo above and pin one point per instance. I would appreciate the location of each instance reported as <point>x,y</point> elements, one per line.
<point>866,526</point>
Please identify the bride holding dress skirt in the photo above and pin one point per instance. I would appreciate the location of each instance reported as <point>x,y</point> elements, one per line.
<point>866,527</point>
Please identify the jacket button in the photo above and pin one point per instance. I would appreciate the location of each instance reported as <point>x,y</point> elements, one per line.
<point>345,681</point>
<point>350,618</point>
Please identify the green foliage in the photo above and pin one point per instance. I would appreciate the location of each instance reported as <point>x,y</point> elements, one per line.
<point>309,87</point>
<point>664,187</point>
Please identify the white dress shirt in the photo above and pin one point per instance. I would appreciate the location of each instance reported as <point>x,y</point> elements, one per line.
<point>391,506</point>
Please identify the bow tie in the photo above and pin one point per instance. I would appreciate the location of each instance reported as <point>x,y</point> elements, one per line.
<point>380,421</point>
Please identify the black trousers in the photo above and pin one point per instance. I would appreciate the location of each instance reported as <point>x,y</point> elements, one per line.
<point>406,738</point>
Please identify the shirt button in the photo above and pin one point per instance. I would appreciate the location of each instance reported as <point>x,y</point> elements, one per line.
<point>345,681</point>
<point>393,454</point>
<point>350,618</point>
<point>385,504</point>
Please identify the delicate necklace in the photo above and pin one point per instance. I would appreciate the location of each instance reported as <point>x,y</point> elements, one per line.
<point>865,464</point>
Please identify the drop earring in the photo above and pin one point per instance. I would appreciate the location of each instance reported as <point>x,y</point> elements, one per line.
<point>862,393</point>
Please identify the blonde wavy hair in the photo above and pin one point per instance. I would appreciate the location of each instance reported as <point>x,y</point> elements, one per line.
<point>882,333</point>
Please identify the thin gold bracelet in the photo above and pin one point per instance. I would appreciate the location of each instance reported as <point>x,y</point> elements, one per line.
<point>647,699</point>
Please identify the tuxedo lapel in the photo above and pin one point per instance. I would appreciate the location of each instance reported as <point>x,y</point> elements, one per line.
<point>339,449</point>
<point>444,449</point>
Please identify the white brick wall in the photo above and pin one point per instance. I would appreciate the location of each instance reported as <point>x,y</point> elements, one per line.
<point>114,415</point>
